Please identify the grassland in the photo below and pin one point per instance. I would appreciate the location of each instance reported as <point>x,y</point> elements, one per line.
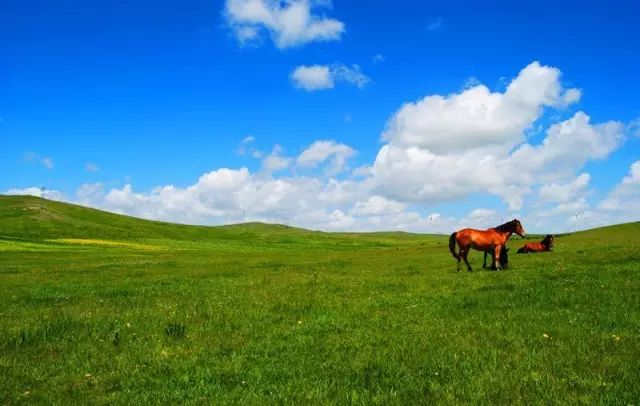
<point>99,308</point>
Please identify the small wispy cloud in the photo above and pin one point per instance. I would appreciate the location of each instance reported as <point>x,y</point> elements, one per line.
<point>322,77</point>
<point>472,82</point>
<point>45,161</point>
<point>30,156</point>
<point>244,143</point>
<point>351,74</point>
<point>377,58</point>
<point>91,167</point>
<point>326,150</point>
<point>276,161</point>
<point>436,24</point>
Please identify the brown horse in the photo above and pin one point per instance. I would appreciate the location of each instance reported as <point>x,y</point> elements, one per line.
<point>492,240</point>
<point>545,245</point>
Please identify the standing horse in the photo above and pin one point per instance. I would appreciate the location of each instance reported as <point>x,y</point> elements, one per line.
<point>492,239</point>
<point>545,245</point>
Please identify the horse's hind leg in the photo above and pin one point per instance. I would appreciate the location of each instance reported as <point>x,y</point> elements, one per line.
<point>484,261</point>
<point>459,258</point>
<point>464,256</point>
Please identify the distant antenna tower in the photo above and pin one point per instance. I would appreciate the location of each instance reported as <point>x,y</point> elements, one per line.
<point>577,217</point>
<point>183,216</point>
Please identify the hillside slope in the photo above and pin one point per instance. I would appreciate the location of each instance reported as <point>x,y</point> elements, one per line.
<point>35,219</point>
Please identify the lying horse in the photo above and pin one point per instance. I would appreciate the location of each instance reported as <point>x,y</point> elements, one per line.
<point>504,258</point>
<point>492,240</point>
<point>545,245</point>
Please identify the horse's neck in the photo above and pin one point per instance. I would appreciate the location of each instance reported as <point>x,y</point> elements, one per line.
<point>506,234</point>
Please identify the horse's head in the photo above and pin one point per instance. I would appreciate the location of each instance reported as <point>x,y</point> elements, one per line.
<point>548,240</point>
<point>512,226</point>
<point>517,228</point>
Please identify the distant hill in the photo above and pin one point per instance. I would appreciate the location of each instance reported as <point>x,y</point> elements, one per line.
<point>35,218</point>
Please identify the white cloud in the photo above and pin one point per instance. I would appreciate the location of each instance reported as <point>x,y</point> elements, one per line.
<point>362,171</point>
<point>570,96</point>
<point>569,144</point>
<point>321,151</point>
<point>311,78</point>
<point>571,208</point>
<point>625,197</point>
<point>377,205</point>
<point>476,117</point>
<point>482,214</point>
<point>564,192</point>
<point>289,23</point>
<point>89,193</point>
<point>275,161</point>
<point>235,195</point>
<point>443,148</point>
<point>36,191</point>
<point>321,77</point>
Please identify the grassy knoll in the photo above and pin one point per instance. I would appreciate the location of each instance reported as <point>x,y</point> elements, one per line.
<point>100,308</point>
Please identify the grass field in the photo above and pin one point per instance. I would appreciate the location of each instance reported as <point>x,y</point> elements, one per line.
<point>100,308</point>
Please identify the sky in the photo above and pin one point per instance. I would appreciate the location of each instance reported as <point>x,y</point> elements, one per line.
<point>331,115</point>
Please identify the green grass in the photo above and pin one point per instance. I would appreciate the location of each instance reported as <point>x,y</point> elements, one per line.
<point>99,308</point>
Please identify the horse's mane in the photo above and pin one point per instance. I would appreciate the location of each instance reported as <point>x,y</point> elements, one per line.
<point>508,226</point>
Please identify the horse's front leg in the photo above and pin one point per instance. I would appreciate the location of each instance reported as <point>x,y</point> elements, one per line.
<point>496,257</point>
<point>484,261</point>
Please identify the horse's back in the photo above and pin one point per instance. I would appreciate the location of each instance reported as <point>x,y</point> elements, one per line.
<point>470,232</point>
<point>479,239</point>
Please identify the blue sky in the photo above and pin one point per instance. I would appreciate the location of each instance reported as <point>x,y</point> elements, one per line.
<point>99,95</point>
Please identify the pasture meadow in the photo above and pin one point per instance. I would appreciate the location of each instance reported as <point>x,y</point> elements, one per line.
<point>99,308</point>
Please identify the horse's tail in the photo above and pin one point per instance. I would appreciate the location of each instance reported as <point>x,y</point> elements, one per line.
<point>452,244</point>
<point>522,250</point>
